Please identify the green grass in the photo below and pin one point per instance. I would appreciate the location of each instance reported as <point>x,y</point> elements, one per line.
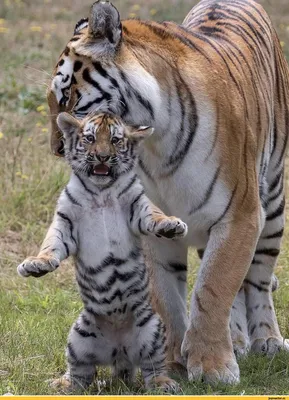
<point>35,315</point>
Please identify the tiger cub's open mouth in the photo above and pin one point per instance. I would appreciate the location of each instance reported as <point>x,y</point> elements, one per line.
<point>101,170</point>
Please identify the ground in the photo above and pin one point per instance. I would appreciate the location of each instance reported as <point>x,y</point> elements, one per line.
<point>35,315</point>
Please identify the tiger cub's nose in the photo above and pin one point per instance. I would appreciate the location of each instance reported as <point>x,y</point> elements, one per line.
<point>102,157</point>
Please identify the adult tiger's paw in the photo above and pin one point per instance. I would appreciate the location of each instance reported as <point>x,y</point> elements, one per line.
<point>165,384</point>
<point>170,228</point>
<point>211,361</point>
<point>37,266</point>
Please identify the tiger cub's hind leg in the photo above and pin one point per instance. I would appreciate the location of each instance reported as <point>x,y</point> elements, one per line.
<point>81,356</point>
<point>263,327</point>
<point>238,325</point>
<point>152,351</point>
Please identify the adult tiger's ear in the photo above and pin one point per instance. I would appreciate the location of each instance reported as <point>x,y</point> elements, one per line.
<point>67,124</point>
<point>104,31</point>
<point>140,133</point>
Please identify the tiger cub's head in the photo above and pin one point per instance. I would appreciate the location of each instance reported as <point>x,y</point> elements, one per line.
<point>100,147</point>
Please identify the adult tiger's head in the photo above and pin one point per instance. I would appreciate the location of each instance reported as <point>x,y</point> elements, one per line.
<point>100,146</point>
<point>98,69</point>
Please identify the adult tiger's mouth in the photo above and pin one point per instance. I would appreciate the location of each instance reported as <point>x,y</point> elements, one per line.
<point>101,170</point>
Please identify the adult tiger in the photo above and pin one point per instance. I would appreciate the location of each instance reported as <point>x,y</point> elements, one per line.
<point>216,90</point>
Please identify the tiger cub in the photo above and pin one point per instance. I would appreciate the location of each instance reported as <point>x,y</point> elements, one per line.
<point>100,217</point>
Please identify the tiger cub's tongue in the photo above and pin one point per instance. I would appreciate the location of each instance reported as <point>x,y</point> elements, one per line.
<point>101,169</point>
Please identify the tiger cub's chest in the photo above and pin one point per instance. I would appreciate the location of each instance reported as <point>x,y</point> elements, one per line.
<point>103,229</point>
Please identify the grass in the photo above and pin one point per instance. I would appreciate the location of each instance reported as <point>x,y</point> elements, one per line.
<point>35,314</point>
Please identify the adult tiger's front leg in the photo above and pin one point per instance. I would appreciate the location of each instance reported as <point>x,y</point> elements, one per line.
<point>207,344</point>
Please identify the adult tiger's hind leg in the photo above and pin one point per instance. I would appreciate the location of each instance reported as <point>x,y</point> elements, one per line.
<point>167,264</point>
<point>264,331</point>
<point>238,321</point>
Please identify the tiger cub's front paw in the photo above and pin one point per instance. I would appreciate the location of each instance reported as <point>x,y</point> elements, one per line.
<point>170,228</point>
<point>37,266</point>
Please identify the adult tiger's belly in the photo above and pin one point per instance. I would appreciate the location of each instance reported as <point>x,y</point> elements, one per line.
<point>193,194</point>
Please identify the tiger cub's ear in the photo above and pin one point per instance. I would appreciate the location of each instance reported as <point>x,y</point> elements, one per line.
<point>137,134</point>
<point>104,28</point>
<point>67,124</point>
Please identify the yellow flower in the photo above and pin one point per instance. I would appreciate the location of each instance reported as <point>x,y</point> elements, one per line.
<point>2,21</point>
<point>39,124</point>
<point>153,11</point>
<point>43,113</point>
<point>44,130</point>
<point>40,108</point>
<point>25,177</point>
<point>136,7</point>
<point>29,139</point>
<point>282,44</point>
<point>3,30</point>
<point>18,173</point>
<point>35,28</point>
<point>1,135</point>
<point>132,15</point>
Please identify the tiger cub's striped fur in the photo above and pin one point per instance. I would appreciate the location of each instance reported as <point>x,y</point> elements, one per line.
<point>99,219</point>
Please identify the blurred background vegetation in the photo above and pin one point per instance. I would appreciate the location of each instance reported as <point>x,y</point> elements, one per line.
<point>35,315</point>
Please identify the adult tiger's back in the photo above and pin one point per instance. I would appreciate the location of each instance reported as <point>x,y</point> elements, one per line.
<point>216,90</point>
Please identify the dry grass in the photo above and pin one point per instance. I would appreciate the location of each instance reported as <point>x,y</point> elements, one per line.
<point>36,315</point>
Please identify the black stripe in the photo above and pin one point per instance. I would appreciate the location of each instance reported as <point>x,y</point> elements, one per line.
<point>66,218</point>
<point>145,170</point>
<point>278,212</point>
<point>239,326</point>
<point>260,289</point>
<point>145,320</point>
<point>77,66</point>
<point>268,252</point>
<point>84,185</point>
<point>132,181</point>
<point>262,324</point>
<point>277,234</point>
<point>277,194</point>
<point>66,249</point>
<point>208,193</point>
<point>83,332</point>
<point>133,204</point>
<point>85,319</point>
<point>144,102</point>
<point>87,77</point>
<point>177,157</point>
<point>71,198</point>
<point>186,41</point>
<point>178,266</point>
<point>140,228</point>
<point>71,351</point>
<point>252,329</point>
<point>225,211</point>
<point>276,181</point>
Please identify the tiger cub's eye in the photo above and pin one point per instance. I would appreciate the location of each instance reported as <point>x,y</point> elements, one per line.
<point>89,138</point>
<point>116,140</point>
